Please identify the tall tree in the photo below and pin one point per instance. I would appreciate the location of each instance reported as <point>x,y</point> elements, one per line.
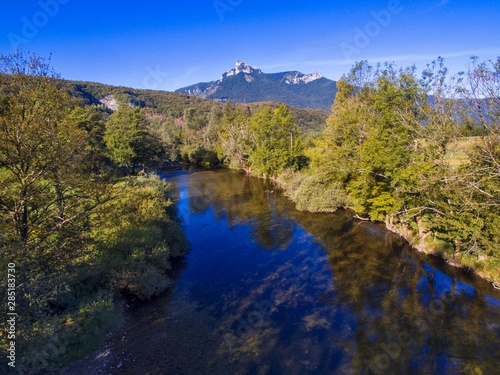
<point>234,137</point>
<point>471,194</point>
<point>274,137</point>
<point>129,140</point>
<point>41,148</point>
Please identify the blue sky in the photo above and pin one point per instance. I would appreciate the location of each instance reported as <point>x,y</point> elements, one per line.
<point>167,45</point>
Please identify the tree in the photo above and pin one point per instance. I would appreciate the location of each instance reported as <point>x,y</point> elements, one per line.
<point>163,130</point>
<point>336,155</point>
<point>274,137</point>
<point>41,149</point>
<point>234,137</point>
<point>470,204</point>
<point>128,139</point>
<point>92,120</point>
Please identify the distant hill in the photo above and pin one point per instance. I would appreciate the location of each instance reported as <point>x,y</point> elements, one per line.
<point>174,104</point>
<point>246,84</point>
<point>167,103</point>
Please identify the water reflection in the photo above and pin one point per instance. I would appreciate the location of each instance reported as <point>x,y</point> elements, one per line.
<point>238,198</point>
<point>410,317</point>
<point>271,290</point>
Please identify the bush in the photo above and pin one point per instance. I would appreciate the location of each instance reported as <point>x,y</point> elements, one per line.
<point>57,340</point>
<point>140,235</point>
<point>313,193</point>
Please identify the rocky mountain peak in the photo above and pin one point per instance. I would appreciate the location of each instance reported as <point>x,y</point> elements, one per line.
<point>241,67</point>
<point>250,84</point>
<point>294,78</point>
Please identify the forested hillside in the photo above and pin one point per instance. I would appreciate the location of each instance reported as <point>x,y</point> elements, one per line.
<point>174,104</point>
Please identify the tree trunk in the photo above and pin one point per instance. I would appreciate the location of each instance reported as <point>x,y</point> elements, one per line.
<point>24,222</point>
<point>60,202</point>
<point>420,226</point>
<point>22,216</point>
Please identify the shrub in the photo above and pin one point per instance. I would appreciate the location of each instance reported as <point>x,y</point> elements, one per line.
<point>139,234</point>
<point>313,193</point>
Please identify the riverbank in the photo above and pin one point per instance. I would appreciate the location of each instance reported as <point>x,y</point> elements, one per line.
<point>69,308</point>
<point>316,197</point>
<point>320,197</point>
<point>430,245</point>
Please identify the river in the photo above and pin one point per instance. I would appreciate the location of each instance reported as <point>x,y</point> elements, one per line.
<point>267,289</point>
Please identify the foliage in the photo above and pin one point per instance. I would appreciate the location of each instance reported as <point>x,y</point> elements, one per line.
<point>84,234</point>
<point>46,158</point>
<point>128,140</point>
<point>131,239</point>
<point>471,209</point>
<point>394,144</point>
<point>313,193</point>
<point>138,236</point>
<point>272,141</point>
<point>75,233</point>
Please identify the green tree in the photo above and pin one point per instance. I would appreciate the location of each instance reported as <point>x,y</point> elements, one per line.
<point>274,138</point>
<point>128,140</point>
<point>234,137</point>
<point>123,133</point>
<point>469,203</point>
<point>42,150</point>
<point>336,155</point>
<point>374,143</point>
<point>163,129</point>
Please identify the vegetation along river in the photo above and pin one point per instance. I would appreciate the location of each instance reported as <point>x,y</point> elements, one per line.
<point>267,289</point>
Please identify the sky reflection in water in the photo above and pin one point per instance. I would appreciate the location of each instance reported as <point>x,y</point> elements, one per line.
<point>267,289</point>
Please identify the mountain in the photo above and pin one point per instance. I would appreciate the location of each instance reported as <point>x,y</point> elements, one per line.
<point>246,84</point>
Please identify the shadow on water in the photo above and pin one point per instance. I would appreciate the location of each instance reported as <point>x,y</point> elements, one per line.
<point>267,289</point>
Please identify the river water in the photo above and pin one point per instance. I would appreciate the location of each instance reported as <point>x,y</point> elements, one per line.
<point>267,289</point>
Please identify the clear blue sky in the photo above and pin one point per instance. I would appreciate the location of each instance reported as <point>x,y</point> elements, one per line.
<point>169,44</point>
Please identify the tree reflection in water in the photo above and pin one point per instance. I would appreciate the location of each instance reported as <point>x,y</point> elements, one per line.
<point>240,199</point>
<point>271,290</point>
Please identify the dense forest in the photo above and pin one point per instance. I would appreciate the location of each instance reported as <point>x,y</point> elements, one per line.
<point>420,153</point>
